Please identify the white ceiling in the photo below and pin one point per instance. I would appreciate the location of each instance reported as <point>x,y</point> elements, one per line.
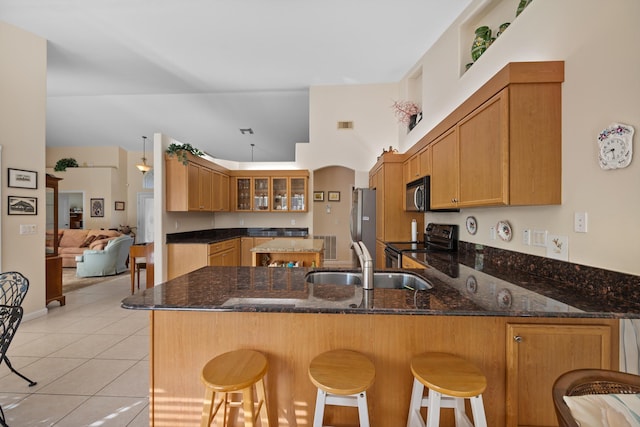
<point>199,70</point>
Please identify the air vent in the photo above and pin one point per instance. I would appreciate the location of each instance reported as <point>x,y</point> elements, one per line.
<point>330,247</point>
<point>345,125</point>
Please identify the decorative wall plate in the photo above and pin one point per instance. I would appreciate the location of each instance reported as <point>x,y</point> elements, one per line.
<point>504,230</point>
<point>472,284</point>
<point>472,225</point>
<point>504,298</point>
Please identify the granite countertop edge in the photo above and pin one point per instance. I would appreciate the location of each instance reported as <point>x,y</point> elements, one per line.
<point>212,288</point>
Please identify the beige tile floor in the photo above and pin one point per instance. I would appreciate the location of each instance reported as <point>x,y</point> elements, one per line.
<point>90,359</point>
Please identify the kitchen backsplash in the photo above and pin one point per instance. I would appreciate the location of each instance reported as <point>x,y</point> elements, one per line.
<point>592,280</point>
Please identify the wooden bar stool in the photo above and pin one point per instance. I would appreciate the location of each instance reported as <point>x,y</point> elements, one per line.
<point>235,372</point>
<point>342,378</point>
<point>450,380</point>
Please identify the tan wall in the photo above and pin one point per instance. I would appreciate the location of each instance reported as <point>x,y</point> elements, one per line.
<point>23,61</point>
<point>335,220</point>
<point>105,172</point>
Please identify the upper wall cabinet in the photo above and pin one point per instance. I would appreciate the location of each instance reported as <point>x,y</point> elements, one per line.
<point>198,186</point>
<point>503,145</point>
<point>270,191</point>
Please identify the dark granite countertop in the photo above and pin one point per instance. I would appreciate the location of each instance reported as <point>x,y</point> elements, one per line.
<point>479,289</point>
<point>215,235</point>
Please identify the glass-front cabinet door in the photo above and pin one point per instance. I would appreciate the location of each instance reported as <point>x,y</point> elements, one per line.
<point>243,192</point>
<point>260,194</point>
<point>280,196</point>
<point>298,194</point>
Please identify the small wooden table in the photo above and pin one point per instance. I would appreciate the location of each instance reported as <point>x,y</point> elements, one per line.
<point>141,250</point>
<point>305,252</point>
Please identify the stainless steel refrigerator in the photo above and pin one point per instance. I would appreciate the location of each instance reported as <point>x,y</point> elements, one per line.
<point>363,219</point>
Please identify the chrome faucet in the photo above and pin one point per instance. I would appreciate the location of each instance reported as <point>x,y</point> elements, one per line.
<point>366,264</point>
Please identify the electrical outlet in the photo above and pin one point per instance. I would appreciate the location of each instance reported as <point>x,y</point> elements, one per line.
<point>293,222</point>
<point>242,222</point>
<point>580,222</point>
<point>526,237</point>
<point>28,229</point>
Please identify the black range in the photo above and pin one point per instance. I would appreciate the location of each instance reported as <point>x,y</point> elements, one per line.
<point>440,245</point>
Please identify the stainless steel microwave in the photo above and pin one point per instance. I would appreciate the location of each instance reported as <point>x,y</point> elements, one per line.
<point>417,196</point>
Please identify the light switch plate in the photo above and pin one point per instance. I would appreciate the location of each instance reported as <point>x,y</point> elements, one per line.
<point>540,238</point>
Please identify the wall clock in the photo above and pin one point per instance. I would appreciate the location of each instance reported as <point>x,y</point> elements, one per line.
<point>615,148</point>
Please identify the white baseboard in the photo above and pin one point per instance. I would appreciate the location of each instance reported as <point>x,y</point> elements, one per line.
<point>35,314</point>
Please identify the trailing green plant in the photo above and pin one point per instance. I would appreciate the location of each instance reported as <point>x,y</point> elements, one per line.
<point>65,163</point>
<point>181,150</point>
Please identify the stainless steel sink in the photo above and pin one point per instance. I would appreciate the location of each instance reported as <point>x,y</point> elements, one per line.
<point>334,278</point>
<point>381,280</point>
<point>400,281</point>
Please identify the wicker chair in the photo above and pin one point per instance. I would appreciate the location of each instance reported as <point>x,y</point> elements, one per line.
<point>589,381</point>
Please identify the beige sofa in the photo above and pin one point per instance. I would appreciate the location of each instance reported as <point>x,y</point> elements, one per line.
<point>73,242</point>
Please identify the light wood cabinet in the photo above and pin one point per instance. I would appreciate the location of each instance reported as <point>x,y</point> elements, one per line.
<point>183,341</point>
<point>381,261</point>
<point>393,223</point>
<point>224,254</point>
<point>220,192</point>
<point>246,243</point>
<point>271,191</point>
<point>538,354</point>
<point>183,258</point>
<point>444,176</point>
<point>505,154</point>
<point>418,165</point>
<point>198,186</point>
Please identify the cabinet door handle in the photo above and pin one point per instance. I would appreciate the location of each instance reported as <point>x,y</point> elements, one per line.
<point>517,338</point>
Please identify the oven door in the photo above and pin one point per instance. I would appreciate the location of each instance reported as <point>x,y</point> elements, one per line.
<point>393,259</point>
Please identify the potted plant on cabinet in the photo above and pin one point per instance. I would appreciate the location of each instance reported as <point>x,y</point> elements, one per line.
<point>65,163</point>
<point>181,150</point>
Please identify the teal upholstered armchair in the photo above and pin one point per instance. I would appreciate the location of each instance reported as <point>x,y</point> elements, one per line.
<point>109,261</point>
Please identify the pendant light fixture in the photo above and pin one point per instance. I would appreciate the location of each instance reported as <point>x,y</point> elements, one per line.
<point>143,167</point>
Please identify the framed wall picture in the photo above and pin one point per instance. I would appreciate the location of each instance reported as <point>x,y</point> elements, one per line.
<point>97,207</point>
<point>333,196</point>
<point>22,205</point>
<point>19,178</point>
<point>119,206</point>
<point>318,196</point>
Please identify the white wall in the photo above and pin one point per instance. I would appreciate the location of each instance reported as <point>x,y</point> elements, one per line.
<point>23,61</point>
<point>375,127</point>
<point>597,40</point>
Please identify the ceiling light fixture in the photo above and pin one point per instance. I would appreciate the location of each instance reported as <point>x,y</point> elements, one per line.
<point>252,145</point>
<point>143,167</point>
<point>246,131</point>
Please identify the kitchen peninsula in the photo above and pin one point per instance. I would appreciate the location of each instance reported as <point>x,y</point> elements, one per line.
<point>216,309</point>
<point>289,253</point>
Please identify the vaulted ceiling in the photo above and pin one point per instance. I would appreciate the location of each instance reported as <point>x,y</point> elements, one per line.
<point>201,70</point>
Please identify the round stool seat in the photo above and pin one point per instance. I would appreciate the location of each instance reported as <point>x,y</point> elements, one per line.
<point>235,370</point>
<point>448,374</point>
<point>342,372</point>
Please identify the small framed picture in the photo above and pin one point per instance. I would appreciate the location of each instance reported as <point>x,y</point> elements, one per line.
<point>97,207</point>
<point>334,196</point>
<point>119,206</point>
<point>318,196</point>
<point>22,205</point>
<point>23,179</point>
